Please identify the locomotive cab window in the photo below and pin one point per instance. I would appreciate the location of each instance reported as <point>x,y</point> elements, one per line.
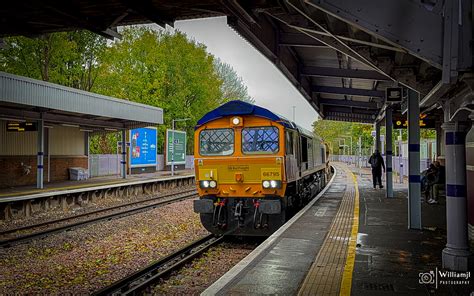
<point>213,142</point>
<point>260,140</point>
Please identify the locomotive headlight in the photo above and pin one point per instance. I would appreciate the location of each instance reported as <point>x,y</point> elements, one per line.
<point>236,121</point>
<point>271,184</point>
<point>212,184</point>
<point>205,184</point>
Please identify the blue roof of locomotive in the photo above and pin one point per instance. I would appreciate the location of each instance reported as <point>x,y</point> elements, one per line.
<point>243,108</point>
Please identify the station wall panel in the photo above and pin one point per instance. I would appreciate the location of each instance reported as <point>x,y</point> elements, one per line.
<point>67,141</point>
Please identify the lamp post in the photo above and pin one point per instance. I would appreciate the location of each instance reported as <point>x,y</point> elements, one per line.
<point>343,145</point>
<point>172,145</point>
<point>351,146</point>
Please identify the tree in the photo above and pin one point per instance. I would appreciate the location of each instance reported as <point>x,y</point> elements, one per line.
<point>233,87</point>
<point>67,58</point>
<point>330,132</point>
<point>162,69</point>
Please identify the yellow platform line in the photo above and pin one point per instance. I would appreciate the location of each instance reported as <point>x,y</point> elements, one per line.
<point>60,188</point>
<point>346,283</point>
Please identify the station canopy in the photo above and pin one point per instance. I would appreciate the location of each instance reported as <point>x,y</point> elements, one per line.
<point>23,99</point>
<point>340,59</point>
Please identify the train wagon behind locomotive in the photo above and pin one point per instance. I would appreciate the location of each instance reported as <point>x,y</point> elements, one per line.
<point>253,169</point>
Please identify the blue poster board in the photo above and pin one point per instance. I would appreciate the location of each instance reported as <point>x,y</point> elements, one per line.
<point>143,147</point>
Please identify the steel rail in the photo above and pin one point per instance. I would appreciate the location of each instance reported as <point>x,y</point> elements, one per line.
<point>142,279</point>
<point>116,215</point>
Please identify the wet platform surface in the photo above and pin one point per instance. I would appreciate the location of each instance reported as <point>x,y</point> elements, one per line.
<point>341,246</point>
<point>389,257</point>
<point>282,262</point>
<point>92,182</point>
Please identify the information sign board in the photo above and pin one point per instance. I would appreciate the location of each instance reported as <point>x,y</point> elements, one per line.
<point>393,94</point>
<point>22,126</point>
<point>176,146</point>
<point>400,121</point>
<point>143,147</point>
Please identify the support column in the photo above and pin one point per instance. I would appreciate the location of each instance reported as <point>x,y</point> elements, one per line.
<point>87,152</point>
<point>439,141</point>
<point>456,253</point>
<point>123,162</point>
<point>414,186</point>
<point>40,148</point>
<point>388,150</point>
<point>470,185</point>
<point>377,137</point>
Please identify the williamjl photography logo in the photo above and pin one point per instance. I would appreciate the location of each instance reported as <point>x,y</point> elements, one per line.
<point>443,277</point>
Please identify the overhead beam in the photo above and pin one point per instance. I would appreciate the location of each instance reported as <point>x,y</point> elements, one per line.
<point>58,118</point>
<point>73,17</point>
<point>419,31</point>
<point>352,117</point>
<point>348,103</point>
<point>299,40</point>
<point>148,10</point>
<point>348,91</point>
<point>343,73</point>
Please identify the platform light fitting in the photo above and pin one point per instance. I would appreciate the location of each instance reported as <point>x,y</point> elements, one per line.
<point>110,129</point>
<point>69,125</point>
<point>12,119</point>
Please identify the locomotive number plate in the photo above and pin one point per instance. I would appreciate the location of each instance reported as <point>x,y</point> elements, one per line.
<point>271,174</point>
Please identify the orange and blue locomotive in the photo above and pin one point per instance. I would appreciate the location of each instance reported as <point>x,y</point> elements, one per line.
<point>254,169</point>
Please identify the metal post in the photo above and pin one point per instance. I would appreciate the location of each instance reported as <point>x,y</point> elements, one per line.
<point>439,135</point>
<point>388,151</point>
<point>377,136</point>
<point>87,151</point>
<point>123,162</point>
<point>49,155</point>
<point>172,149</point>
<point>400,156</point>
<point>40,167</point>
<point>359,164</point>
<point>414,186</point>
<point>456,253</point>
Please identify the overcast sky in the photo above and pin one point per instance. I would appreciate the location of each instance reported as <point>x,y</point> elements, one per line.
<point>266,84</point>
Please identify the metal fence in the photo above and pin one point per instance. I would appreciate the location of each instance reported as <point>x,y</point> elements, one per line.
<point>104,165</point>
<point>109,164</point>
<point>398,163</point>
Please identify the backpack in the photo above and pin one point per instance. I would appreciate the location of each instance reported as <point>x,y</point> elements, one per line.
<point>375,161</point>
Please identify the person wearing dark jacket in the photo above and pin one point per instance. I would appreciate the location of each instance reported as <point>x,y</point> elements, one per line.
<point>377,163</point>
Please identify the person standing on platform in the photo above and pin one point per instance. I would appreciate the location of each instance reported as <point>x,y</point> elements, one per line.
<point>377,163</point>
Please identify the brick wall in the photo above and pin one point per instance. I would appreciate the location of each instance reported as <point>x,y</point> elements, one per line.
<point>11,172</point>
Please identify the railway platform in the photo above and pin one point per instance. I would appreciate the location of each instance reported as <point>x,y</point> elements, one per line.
<point>23,201</point>
<point>350,240</point>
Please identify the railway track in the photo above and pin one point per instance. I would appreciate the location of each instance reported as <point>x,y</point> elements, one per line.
<point>96,216</point>
<point>142,279</point>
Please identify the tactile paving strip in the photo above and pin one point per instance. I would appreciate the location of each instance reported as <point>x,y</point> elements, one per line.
<point>325,275</point>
